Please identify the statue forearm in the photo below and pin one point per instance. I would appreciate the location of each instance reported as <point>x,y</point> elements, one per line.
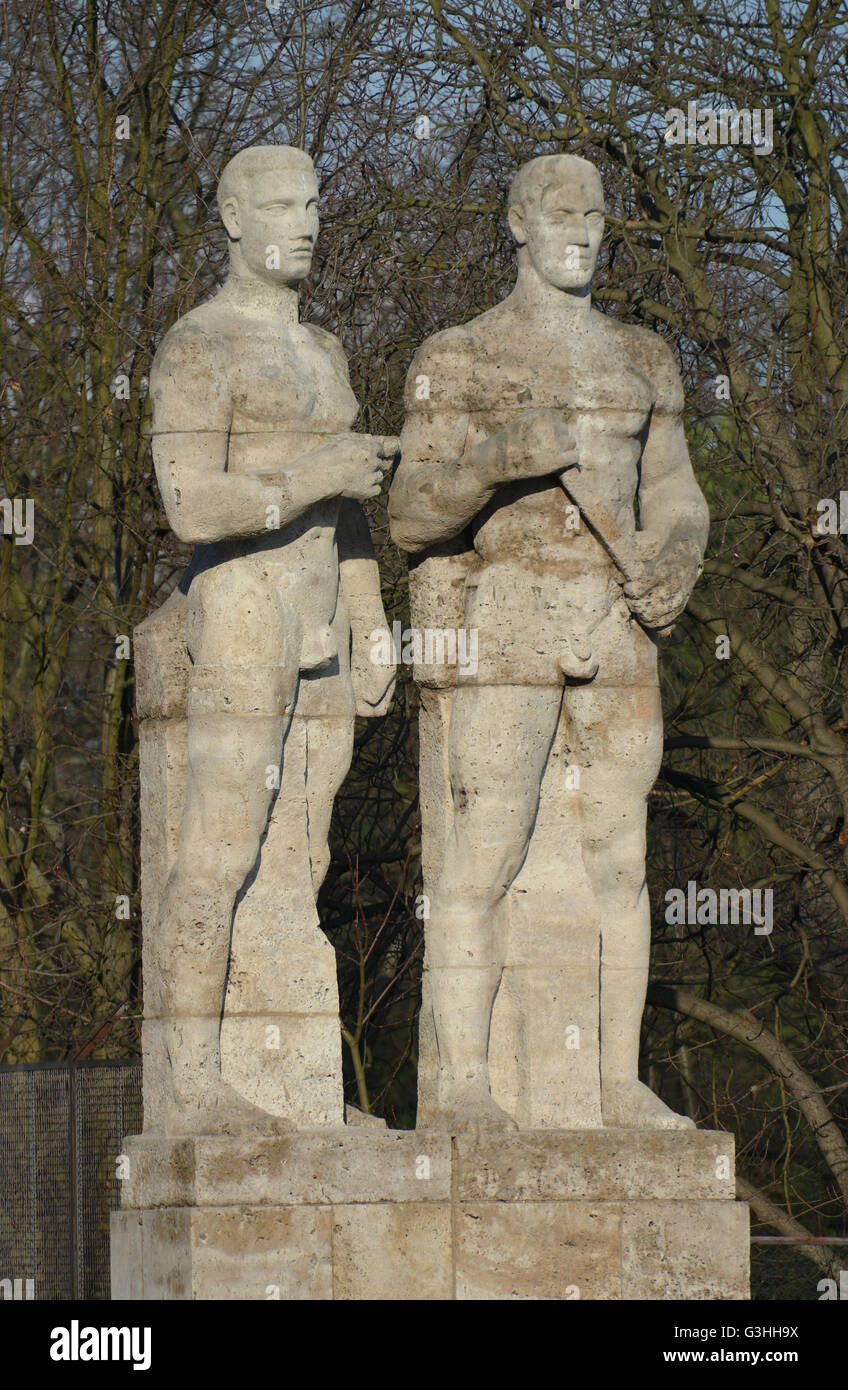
<point>685,523</point>
<point>433,501</point>
<point>359,574</point>
<point>668,550</point>
<point>673,511</point>
<point>430,503</point>
<point>205,504</point>
<point>359,577</point>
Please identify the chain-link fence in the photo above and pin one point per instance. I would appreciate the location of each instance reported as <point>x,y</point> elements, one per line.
<point>61,1128</point>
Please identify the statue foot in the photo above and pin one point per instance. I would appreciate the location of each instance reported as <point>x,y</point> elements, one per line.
<point>218,1109</point>
<point>634,1106</point>
<point>358,1118</point>
<point>475,1115</point>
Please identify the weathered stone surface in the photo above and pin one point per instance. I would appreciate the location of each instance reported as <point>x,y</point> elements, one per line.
<point>544,428</point>
<point>393,1252</point>
<point>163,757</point>
<point>537,1250</point>
<point>167,1247</point>
<point>599,1165</point>
<point>357,1117</point>
<point>547,1007</point>
<point>277,1253</point>
<point>355,1164</point>
<point>127,1257</point>
<point>685,1250</point>
<point>160,1171</point>
<point>297,1076</point>
<point>162,661</point>
<point>360,1213</point>
<point>236,1254</point>
<point>280,1036</point>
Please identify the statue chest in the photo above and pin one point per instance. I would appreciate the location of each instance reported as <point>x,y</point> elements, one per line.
<point>590,376</point>
<point>288,383</point>
<point>606,401</point>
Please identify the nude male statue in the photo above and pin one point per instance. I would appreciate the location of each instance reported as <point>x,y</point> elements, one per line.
<point>257,466</point>
<point>524,427</point>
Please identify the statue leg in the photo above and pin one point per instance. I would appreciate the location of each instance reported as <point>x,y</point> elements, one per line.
<point>329,752</point>
<point>242,688</point>
<point>616,738</point>
<point>500,739</point>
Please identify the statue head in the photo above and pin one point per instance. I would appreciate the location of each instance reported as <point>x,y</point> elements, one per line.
<point>556,215</point>
<point>268,201</point>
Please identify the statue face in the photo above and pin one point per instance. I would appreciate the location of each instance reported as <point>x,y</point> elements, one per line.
<point>275,221</point>
<point>562,227</point>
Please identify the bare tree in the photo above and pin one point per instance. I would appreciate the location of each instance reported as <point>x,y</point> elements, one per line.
<point>116,121</point>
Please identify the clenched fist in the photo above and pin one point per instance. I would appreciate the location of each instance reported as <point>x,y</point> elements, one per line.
<point>660,580</point>
<point>536,443</point>
<point>352,465</point>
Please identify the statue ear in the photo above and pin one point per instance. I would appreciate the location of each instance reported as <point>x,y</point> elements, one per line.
<point>515,217</point>
<point>231,218</point>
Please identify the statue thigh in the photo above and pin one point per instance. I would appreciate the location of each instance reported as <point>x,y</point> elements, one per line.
<point>500,740</point>
<point>615,737</point>
<point>244,643</point>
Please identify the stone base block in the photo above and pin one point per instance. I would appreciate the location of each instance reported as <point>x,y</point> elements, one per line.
<point>420,1215</point>
<point>287,1064</point>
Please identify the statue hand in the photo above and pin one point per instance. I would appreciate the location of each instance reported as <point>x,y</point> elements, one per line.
<point>373,681</point>
<point>536,443</point>
<point>352,465</point>
<point>660,579</point>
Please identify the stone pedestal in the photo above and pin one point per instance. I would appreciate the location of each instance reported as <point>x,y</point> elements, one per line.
<point>420,1215</point>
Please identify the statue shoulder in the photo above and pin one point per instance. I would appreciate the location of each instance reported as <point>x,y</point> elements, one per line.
<point>330,342</point>
<point>198,335</point>
<point>440,371</point>
<point>654,358</point>
<point>323,336</point>
<point>189,375</point>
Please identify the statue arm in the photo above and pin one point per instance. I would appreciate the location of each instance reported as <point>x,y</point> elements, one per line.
<point>373,682</point>
<point>672,508</point>
<point>439,487</point>
<point>204,503</point>
<point>192,413</point>
<point>673,513</point>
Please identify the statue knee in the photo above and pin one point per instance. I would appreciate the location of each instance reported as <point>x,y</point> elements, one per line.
<point>478,879</point>
<point>225,866</point>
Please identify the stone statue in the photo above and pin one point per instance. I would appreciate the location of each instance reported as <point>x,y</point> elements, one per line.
<point>546,496</point>
<point>250,675</point>
<point>532,432</point>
